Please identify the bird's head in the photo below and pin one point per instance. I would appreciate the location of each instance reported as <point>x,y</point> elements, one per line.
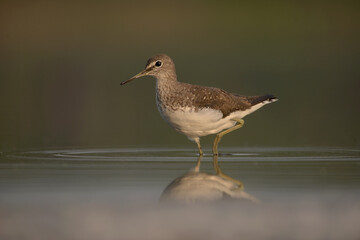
<point>160,66</point>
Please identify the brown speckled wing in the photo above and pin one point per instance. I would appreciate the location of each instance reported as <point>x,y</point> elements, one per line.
<point>199,97</point>
<point>215,98</point>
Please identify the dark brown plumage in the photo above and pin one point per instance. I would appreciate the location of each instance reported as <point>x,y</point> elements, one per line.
<point>188,95</point>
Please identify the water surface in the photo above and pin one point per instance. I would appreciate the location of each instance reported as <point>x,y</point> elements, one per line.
<point>109,193</point>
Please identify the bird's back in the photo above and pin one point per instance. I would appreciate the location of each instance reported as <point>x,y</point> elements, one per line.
<point>200,97</point>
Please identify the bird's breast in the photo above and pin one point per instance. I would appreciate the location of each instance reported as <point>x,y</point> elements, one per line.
<point>180,111</point>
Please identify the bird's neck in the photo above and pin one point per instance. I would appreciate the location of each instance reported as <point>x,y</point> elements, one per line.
<point>166,81</point>
<point>166,76</point>
<point>165,86</point>
<point>166,91</point>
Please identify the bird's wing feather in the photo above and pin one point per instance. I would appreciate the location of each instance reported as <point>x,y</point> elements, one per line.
<point>215,98</point>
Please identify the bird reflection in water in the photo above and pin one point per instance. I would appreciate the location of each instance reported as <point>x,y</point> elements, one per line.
<point>201,187</point>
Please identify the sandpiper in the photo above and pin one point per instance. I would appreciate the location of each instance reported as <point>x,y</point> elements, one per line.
<point>197,111</point>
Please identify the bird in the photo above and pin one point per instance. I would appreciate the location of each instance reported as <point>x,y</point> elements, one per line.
<point>200,187</point>
<point>195,110</point>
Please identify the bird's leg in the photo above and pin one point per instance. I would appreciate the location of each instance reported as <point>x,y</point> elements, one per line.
<point>218,137</point>
<point>197,140</point>
<point>197,167</point>
<point>223,175</point>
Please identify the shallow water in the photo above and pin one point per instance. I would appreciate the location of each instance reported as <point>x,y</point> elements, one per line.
<point>113,193</point>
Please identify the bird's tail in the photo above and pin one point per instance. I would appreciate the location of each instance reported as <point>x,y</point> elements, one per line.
<point>268,98</point>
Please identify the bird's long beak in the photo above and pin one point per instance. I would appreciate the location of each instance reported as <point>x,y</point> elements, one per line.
<point>141,74</point>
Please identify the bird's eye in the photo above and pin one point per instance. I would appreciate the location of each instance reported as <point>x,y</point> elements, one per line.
<point>158,63</point>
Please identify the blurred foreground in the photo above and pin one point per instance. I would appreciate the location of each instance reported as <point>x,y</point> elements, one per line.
<point>305,193</point>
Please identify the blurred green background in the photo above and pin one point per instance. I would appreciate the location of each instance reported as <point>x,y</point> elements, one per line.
<point>61,64</point>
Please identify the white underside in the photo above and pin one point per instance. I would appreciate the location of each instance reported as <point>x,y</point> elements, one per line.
<point>195,124</point>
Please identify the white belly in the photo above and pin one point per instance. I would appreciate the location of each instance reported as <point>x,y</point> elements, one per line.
<point>199,123</point>
<point>203,122</point>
